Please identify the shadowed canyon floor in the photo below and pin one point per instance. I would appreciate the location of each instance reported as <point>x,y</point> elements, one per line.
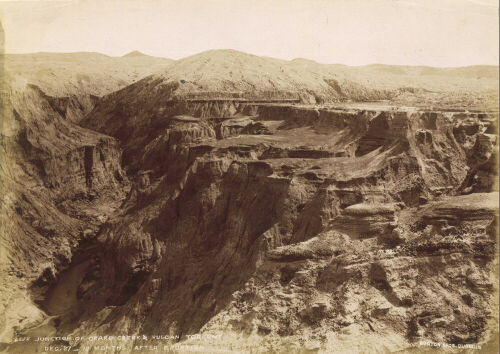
<point>239,203</point>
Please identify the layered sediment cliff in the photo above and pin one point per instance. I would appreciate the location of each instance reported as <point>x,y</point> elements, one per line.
<point>331,219</point>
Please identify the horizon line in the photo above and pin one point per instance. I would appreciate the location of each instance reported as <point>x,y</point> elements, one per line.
<point>236,50</point>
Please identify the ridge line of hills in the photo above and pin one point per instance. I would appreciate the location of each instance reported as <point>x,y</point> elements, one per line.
<point>233,74</point>
<point>137,53</point>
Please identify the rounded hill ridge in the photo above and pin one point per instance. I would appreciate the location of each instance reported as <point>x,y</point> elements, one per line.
<point>227,73</point>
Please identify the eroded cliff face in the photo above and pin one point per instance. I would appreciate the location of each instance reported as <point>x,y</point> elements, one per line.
<point>252,222</point>
<point>324,226</point>
<point>59,183</point>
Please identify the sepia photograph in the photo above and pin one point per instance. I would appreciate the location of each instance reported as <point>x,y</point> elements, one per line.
<point>249,176</point>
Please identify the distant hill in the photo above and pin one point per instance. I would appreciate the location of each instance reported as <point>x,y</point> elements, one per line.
<point>63,74</point>
<point>134,53</point>
<point>73,80</point>
<point>230,73</point>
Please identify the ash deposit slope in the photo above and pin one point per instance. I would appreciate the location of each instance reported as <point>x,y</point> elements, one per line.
<point>60,74</point>
<point>74,81</point>
<point>229,72</point>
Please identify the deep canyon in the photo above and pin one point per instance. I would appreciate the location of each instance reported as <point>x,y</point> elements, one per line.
<point>235,202</point>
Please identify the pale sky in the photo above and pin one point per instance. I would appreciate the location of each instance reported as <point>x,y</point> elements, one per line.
<point>353,32</point>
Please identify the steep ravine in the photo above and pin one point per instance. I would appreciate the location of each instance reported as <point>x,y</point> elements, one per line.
<point>281,251</point>
<point>60,182</point>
